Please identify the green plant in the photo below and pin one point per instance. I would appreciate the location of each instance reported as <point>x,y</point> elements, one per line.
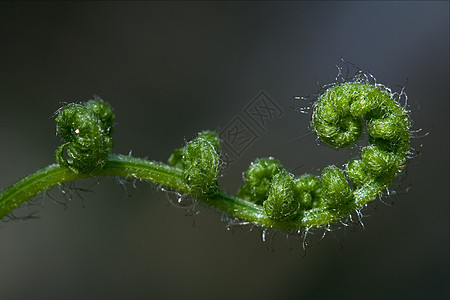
<point>271,197</point>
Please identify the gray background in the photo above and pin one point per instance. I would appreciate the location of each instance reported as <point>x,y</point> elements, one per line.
<point>173,69</point>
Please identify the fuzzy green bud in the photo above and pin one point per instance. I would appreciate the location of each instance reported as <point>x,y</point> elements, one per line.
<point>258,179</point>
<point>281,204</point>
<point>87,130</point>
<point>201,167</point>
<point>336,191</point>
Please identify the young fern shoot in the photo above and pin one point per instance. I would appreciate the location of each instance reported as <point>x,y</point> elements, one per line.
<point>271,197</point>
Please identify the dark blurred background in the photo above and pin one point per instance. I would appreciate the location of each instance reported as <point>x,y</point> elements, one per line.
<point>173,69</point>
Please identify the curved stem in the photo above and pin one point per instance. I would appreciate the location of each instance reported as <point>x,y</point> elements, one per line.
<point>33,184</point>
<point>271,197</point>
<point>127,166</point>
<point>171,177</point>
<point>116,165</point>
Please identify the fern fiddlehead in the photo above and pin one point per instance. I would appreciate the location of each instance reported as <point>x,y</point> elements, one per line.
<point>87,129</point>
<point>271,196</point>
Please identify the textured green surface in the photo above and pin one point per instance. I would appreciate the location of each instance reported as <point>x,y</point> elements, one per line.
<point>270,196</point>
<point>87,130</point>
<point>338,120</point>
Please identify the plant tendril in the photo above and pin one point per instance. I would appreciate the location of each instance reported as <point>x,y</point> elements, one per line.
<point>270,197</point>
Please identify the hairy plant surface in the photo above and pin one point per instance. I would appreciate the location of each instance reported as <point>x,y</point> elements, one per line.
<point>271,197</point>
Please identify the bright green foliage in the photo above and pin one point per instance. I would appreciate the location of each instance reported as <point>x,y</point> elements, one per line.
<point>87,130</point>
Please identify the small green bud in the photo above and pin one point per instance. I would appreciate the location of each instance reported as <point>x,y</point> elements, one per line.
<point>391,128</point>
<point>201,167</point>
<point>104,113</point>
<point>281,204</point>
<point>211,137</point>
<point>87,129</point>
<point>176,158</point>
<point>258,179</point>
<point>332,119</point>
<point>358,173</point>
<point>377,161</point>
<point>308,189</point>
<point>336,192</point>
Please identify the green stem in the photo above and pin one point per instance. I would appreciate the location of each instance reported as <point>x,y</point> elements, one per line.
<point>271,197</point>
<point>171,177</point>
<point>33,184</point>
<point>116,165</point>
